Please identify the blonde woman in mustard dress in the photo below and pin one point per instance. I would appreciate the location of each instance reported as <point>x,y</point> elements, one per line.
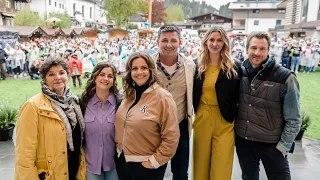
<point>215,97</point>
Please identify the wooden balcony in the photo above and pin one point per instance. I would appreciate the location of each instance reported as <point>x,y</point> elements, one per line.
<point>7,10</point>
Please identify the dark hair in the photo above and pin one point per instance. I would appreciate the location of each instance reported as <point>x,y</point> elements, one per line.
<point>127,81</point>
<point>52,61</point>
<point>168,28</point>
<point>259,35</point>
<point>90,88</point>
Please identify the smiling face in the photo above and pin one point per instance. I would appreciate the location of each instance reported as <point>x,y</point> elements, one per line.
<point>169,43</point>
<point>105,79</point>
<point>140,72</point>
<point>215,43</point>
<point>56,79</point>
<point>257,51</point>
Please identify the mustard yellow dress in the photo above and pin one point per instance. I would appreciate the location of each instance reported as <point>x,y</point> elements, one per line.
<point>213,143</point>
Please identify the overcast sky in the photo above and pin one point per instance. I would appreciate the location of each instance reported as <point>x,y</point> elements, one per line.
<point>217,3</point>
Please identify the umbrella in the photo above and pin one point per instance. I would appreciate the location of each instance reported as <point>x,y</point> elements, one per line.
<point>53,20</point>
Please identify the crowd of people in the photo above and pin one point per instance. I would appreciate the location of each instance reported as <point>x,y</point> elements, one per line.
<point>132,134</point>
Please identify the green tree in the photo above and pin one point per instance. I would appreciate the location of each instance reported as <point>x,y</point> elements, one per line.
<point>121,10</point>
<point>132,26</point>
<point>65,20</point>
<point>26,17</point>
<point>225,11</point>
<point>175,13</point>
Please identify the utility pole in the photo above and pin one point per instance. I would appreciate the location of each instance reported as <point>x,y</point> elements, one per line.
<point>150,13</point>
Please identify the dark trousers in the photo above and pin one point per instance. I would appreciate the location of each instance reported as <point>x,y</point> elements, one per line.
<point>74,81</point>
<point>285,62</point>
<point>135,170</point>
<point>3,70</point>
<point>17,70</point>
<point>250,153</point>
<point>180,161</point>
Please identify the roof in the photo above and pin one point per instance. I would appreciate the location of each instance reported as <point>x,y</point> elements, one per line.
<point>53,32</point>
<point>213,14</point>
<point>117,29</point>
<point>68,32</point>
<point>27,30</point>
<point>182,23</point>
<point>80,31</point>
<point>253,5</point>
<point>136,18</point>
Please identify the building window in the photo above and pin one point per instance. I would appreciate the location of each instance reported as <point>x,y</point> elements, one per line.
<point>9,22</point>
<point>319,12</point>
<point>243,22</point>
<point>82,10</point>
<point>8,5</point>
<point>90,12</point>
<point>278,22</point>
<point>281,11</point>
<point>205,17</point>
<point>304,11</point>
<point>256,11</point>
<point>256,22</point>
<point>62,6</point>
<point>74,9</point>
<point>49,2</point>
<point>55,4</point>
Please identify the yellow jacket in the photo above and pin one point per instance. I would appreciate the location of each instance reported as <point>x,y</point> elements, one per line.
<point>41,143</point>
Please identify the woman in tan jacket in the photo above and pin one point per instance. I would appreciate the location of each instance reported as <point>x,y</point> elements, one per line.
<point>50,128</point>
<point>147,130</point>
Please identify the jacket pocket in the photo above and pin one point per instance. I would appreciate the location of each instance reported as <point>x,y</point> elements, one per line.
<point>111,119</point>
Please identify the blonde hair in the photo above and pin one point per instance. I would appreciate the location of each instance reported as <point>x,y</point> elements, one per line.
<point>227,64</point>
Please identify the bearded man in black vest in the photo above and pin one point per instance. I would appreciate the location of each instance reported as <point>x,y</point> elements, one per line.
<point>268,117</point>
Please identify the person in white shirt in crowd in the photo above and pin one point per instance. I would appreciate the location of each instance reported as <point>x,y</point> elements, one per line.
<point>18,61</point>
<point>308,60</point>
<point>10,59</point>
<point>316,57</point>
<point>102,56</point>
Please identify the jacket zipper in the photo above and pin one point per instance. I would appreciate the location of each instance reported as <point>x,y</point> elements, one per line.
<point>124,125</point>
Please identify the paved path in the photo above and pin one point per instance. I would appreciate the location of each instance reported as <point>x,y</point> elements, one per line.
<point>304,163</point>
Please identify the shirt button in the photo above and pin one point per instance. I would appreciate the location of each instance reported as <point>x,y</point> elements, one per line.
<point>48,113</point>
<point>249,104</point>
<point>246,138</point>
<point>169,84</point>
<point>247,121</point>
<point>65,173</point>
<point>63,152</point>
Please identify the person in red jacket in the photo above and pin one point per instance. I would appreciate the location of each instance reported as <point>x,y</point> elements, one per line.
<point>75,66</point>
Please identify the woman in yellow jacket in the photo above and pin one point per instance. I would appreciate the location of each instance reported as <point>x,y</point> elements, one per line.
<point>50,127</point>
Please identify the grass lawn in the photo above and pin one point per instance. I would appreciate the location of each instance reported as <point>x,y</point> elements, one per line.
<point>18,91</point>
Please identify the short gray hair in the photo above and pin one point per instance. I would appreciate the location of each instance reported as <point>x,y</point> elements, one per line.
<point>168,28</point>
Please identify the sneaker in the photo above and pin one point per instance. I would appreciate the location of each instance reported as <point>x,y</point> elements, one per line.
<point>296,72</point>
<point>304,72</point>
<point>15,76</point>
<point>20,75</point>
<point>308,72</point>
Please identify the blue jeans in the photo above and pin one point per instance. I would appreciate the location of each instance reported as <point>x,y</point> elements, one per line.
<point>295,63</point>
<point>250,153</point>
<point>180,161</point>
<point>285,62</point>
<point>105,175</point>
